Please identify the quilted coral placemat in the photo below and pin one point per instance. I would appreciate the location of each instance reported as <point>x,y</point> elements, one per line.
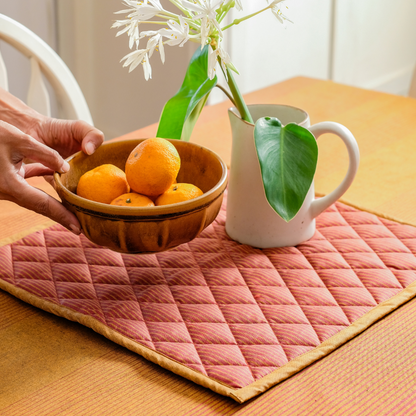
<point>230,317</point>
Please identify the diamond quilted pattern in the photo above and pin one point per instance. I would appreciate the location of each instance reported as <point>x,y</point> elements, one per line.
<point>145,276</point>
<point>77,273</point>
<point>161,312</point>
<point>284,314</point>
<point>219,354</point>
<point>126,310</point>
<point>70,290</point>
<point>24,270</point>
<point>112,275</point>
<point>168,332</point>
<point>66,255</point>
<point>325,315</point>
<point>30,254</point>
<point>194,313</point>
<point>243,314</point>
<point>232,312</point>
<point>187,277</point>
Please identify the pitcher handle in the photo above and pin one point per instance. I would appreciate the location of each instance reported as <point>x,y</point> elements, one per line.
<point>319,205</point>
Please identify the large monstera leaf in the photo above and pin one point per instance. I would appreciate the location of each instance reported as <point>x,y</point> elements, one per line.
<point>288,156</point>
<point>182,111</point>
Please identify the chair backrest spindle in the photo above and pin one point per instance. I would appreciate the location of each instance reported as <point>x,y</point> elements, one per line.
<point>4,82</point>
<point>38,96</point>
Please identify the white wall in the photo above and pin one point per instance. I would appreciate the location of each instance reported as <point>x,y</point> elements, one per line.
<point>375,44</point>
<point>265,51</point>
<point>364,43</point>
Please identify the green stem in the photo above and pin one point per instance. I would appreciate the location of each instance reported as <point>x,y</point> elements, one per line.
<point>238,21</point>
<point>238,98</point>
<point>224,10</point>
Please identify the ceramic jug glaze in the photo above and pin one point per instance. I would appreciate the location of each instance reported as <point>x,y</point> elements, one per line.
<point>250,219</point>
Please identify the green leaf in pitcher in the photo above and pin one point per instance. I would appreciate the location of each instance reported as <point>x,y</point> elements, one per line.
<point>288,157</point>
<point>181,112</point>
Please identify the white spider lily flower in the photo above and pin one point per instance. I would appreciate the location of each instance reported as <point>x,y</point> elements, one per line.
<point>277,11</point>
<point>238,5</point>
<point>205,29</point>
<point>122,23</point>
<point>142,10</point>
<point>135,58</point>
<point>147,68</point>
<point>213,59</point>
<point>139,11</point>
<point>178,34</point>
<point>156,3</point>
<point>205,8</point>
<point>132,29</point>
<point>155,41</point>
<point>212,63</point>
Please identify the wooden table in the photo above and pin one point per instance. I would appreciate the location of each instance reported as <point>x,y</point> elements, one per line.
<point>50,366</point>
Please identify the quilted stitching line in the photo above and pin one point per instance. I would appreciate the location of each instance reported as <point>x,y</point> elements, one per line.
<point>140,303</point>
<point>95,290</point>
<point>50,265</point>
<point>20,282</point>
<point>219,305</point>
<point>392,228</point>
<point>300,305</point>
<point>262,313</point>
<point>13,278</point>
<point>331,290</point>
<point>374,252</point>
<point>366,244</point>
<point>364,286</point>
<point>270,324</point>
<point>102,316</point>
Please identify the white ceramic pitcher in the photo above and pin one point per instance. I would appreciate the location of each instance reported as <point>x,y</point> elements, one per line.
<point>250,219</point>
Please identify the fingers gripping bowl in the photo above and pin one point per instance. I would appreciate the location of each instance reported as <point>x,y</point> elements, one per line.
<point>146,229</point>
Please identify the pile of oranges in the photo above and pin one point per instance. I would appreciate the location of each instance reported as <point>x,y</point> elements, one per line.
<point>149,178</point>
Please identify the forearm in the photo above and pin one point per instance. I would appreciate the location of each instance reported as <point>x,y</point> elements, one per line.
<point>17,113</point>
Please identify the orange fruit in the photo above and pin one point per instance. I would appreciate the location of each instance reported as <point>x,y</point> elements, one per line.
<point>152,166</point>
<point>103,184</point>
<point>133,200</point>
<point>178,192</point>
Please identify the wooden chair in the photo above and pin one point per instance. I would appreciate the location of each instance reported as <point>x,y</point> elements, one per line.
<point>43,60</point>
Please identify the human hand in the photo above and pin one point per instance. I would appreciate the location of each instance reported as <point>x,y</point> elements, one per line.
<point>67,136</point>
<point>14,147</point>
<point>26,134</point>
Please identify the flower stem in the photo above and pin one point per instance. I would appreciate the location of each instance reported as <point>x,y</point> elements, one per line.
<point>224,9</point>
<point>230,97</point>
<point>238,98</point>
<point>238,21</point>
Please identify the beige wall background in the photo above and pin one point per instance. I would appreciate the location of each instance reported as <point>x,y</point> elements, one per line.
<point>365,43</point>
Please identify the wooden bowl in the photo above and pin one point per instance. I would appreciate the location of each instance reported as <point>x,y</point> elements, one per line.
<point>153,229</point>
